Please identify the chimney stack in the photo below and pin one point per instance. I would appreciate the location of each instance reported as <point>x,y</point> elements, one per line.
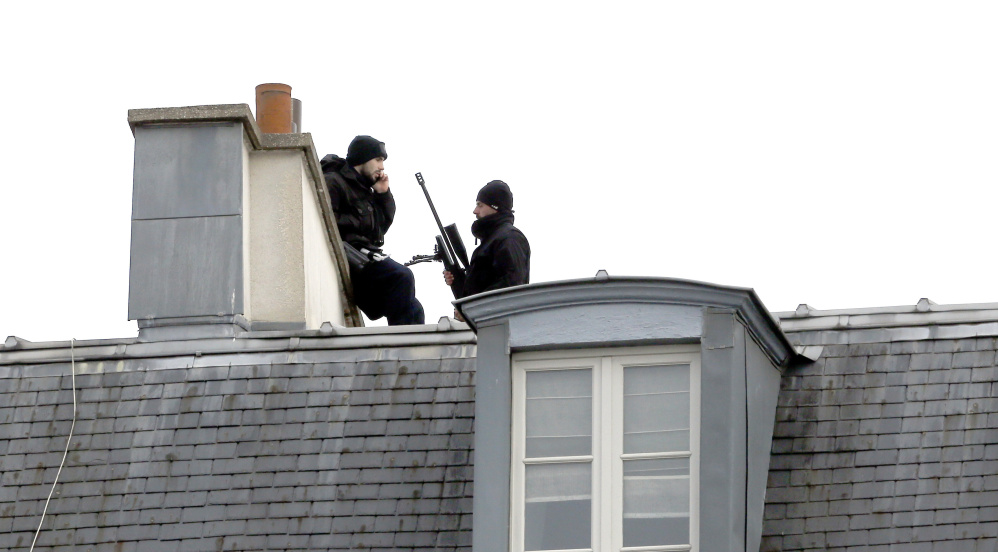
<point>231,227</point>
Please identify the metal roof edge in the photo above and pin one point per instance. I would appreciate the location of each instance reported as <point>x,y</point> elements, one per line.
<point>14,342</point>
<point>445,332</point>
<point>925,313</point>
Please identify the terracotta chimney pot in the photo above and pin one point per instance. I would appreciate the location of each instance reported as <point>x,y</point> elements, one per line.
<point>273,108</point>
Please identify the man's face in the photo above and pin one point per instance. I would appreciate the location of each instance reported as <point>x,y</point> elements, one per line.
<point>372,169</point>
<point>482,210</point>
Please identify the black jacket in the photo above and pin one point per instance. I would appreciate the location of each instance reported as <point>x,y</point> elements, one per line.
<point>502,260</point>
<point>362,215</point>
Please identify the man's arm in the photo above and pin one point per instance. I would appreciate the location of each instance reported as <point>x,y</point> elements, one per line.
<point>335,195</point>
<point>512,261</point>
<point>385,203</point>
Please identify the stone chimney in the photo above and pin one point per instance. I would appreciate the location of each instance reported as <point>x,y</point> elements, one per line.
<point>231,228</point>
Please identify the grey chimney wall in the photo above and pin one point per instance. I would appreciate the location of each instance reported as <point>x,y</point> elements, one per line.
<point>187,223</point>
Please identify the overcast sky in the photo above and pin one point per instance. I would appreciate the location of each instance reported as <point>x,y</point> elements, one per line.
<point>840,154</point>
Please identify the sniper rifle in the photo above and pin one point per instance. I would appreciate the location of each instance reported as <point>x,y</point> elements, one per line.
<point>449,248</point>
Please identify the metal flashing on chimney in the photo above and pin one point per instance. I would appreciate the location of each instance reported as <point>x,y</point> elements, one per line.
<point>195,327</point>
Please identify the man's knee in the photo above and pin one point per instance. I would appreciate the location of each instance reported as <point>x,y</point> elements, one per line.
<point>408,279</point>
<point>400,276</point>
<point>403,306</point>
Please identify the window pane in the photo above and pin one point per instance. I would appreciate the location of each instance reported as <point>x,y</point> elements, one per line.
<point>656,408</point>
<point>559,418</point>
<point>656,502</point>
<point>559,506</point>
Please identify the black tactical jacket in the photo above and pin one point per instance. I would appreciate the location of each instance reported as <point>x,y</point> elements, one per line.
<point>502,260</point>
<point>362,215</point>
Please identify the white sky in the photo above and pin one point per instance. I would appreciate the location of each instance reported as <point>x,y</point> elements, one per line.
<point>840,154</point>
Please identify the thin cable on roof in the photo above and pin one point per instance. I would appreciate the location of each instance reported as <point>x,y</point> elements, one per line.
<point>72,357</point>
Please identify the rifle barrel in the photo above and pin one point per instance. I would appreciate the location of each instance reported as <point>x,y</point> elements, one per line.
<point>443,233</point>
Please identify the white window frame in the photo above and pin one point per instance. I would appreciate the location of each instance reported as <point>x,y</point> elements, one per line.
<point>607,467</point>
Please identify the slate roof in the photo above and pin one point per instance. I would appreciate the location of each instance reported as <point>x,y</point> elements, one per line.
<point>889,441</point>
<point>271,441</point>
<point>362,438</point>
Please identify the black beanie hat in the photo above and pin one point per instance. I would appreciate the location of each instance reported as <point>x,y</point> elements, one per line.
<point>496,194</point>
<point>364,148</point>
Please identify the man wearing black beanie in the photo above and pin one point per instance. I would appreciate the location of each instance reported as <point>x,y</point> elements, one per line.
<point>364,209</point>
<point>503,258</point>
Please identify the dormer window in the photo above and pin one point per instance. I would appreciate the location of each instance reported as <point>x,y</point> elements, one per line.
<point>622,414</point>
<point>605,449</point>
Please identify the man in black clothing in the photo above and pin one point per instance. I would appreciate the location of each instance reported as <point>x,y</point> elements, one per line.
<point>503,258</point>
<point>365,209</point>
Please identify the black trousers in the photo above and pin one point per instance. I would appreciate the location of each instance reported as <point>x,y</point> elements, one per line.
<point>386,288</point>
